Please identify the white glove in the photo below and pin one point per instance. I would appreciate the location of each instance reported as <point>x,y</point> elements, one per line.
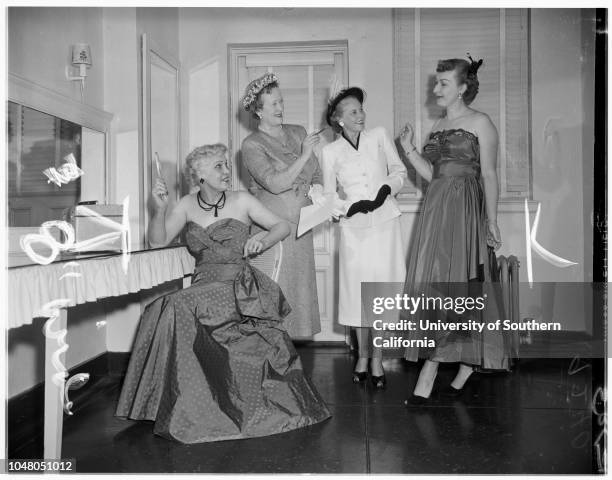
<point>316,194</point>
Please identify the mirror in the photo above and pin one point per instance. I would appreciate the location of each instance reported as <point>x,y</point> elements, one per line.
<point>47,159</point>
<point>57,154</point>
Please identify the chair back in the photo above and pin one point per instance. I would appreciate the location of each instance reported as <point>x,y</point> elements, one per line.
<point>270,260</point>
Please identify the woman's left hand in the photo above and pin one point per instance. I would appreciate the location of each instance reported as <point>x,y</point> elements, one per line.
<point>252,247</point>
<point>493,236</point>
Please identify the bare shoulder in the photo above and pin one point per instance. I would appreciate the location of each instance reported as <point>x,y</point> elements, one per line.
<point>482,124</point>
<point>186,201</point>
<point>240,197</point>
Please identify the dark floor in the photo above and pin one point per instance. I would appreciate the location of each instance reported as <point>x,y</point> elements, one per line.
<point>536,419</point>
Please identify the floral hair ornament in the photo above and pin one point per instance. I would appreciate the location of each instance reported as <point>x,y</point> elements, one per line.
<point>474,66</point>
<point>255,87</point>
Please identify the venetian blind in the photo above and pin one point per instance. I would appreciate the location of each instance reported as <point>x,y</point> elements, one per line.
<point>499,37</point>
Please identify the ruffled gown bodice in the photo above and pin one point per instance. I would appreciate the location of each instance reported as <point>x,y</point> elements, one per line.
<point>453,153</point>
<point>219,243</point>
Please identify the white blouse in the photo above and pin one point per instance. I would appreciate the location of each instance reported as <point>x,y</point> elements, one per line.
<point>362,172</point>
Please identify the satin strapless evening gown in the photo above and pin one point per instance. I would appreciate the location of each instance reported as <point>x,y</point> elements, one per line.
<point>449,252</point>
<point>213,361</point>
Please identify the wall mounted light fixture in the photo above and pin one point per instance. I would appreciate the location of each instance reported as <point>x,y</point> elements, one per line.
<point>81,57</point>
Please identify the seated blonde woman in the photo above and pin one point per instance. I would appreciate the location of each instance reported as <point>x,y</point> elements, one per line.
<point>212,361</point>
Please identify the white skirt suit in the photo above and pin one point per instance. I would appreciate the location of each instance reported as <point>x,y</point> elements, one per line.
<point>370,243</point>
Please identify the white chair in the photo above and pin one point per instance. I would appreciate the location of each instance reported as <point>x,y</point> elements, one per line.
<point>270,260</point>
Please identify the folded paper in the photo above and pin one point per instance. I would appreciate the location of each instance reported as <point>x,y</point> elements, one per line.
<point>314,215</point>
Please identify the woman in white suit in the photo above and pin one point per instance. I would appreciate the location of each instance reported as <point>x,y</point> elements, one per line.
<point>366,165</point>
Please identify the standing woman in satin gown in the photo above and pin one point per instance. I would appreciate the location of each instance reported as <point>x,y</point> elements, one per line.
<point>365,163</point>
<point>457,229</point>
<point>283,173</point>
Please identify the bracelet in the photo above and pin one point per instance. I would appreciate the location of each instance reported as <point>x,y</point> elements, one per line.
<point>412,151</point>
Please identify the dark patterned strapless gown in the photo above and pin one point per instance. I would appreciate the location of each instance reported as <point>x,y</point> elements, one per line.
<point>212,361</point>
<point>449,252</point>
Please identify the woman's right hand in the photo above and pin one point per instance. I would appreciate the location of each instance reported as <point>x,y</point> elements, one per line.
<point>160,194</point>
<point>309,143</point>
<point>407,138</point>
<point>493,235</point>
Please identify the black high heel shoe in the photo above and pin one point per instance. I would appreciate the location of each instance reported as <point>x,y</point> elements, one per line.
<point>452,392</point>
<point>379,383</point>
<point>360,377</point>
<point>416,401</point>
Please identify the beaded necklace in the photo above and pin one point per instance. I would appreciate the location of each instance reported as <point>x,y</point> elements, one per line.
<point>218,205</point>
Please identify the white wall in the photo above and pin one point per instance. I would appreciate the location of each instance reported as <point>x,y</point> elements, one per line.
<point>562,94</point>
<point>39,48</point>
<point>121,56</point>
<point>561,78</point>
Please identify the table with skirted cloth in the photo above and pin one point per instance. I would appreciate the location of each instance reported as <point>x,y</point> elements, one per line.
<point>34,290</point>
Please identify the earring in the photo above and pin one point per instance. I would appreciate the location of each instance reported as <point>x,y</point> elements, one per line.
<point>341,124</point>
<point>259,115</point>
<point>460,95</point>
<point>202,181</point>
